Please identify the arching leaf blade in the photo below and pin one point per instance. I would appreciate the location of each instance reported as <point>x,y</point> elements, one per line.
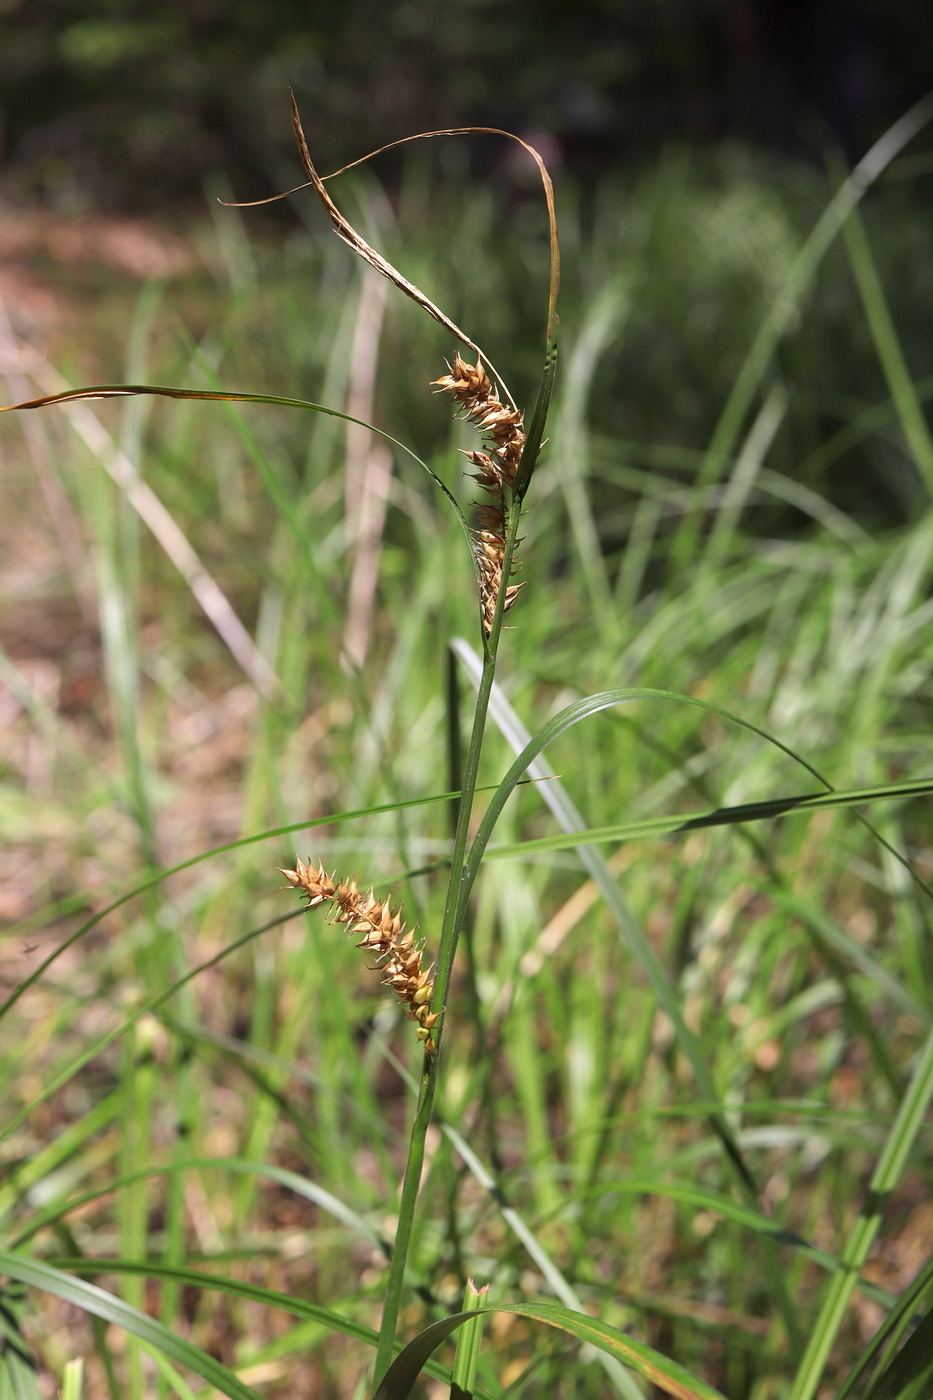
<point>681,823</point>
<point>268,835</point>
<point>96,1301</point>
<point>318,1195</point>
<point>891,1330</point>
<point>166,391</point>
<point>236,1288</point>
<point>674,1380</point>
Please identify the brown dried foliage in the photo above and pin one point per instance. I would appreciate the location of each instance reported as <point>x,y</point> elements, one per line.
<point>472,390</point>
<point>384,934</point>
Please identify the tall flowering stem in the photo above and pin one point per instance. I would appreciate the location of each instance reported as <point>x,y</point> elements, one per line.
<point>504,472</point>
<point>457,891</point>
<point>454,911</point>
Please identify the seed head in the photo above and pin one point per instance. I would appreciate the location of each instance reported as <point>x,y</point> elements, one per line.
<point>472,390</point>
<point>383,934</point>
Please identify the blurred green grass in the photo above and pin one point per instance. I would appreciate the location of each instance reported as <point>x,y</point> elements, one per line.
<point>798,947</point>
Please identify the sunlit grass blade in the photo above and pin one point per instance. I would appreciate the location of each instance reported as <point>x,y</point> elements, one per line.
<point>670,1378</point>
<point>469,1342</point>
<point>881,324</point>
<point>212,1282</point>
<point>94,1300</point>
<point>679,824</point>
<point>787,303</point>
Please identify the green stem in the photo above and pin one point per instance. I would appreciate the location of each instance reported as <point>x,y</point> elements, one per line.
<point>454,912</point>
<point>458,884</point>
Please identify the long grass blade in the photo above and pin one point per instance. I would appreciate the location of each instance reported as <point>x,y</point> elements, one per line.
<point>234,1288</point>
<point>680,824</point>
<point>122,391</point>
<point>98,1303</point>
<point>910,1374</point>
<point>670,1378</point>
<point>786,305</point>
<point>891,1330</point>
<point>155,879</point>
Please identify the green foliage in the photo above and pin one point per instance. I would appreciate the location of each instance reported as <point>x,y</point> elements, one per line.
<point>690,1017</point>
<point>138,103</point>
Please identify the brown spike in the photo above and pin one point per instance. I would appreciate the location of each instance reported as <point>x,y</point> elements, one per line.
<point>383,932</point>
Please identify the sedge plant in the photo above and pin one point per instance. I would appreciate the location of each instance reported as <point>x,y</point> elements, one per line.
<point>418,969</point>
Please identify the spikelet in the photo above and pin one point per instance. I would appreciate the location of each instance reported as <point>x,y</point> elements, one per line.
<point>472,390</point>
<point>383,934</point>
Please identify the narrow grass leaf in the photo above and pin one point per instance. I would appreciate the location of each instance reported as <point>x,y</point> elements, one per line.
<point>159,876</point>
<point>168,1373</point>
<point>679,824</point>
<point>359,245</point>
<point>200,1278</point>
<point>59,1080</point>
<point>729,1210</point>
<point>910,1374</point>
<point>786,304</point>
<point>469,1341</point>
<point>539,1256</point>
<point>122,391</point>
<point>99,1303</point>
<point>827,931</point>
<point>267,1171</point>
<point>888,347</point>
<point>49,1158</point>
<point>165,529</point>
<point>558,800</point>
<point>666,1375</point>
<point>18,1379</point>
<point>891,1330</point>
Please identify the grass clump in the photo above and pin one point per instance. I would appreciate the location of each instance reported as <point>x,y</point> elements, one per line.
<point>679,1017</point>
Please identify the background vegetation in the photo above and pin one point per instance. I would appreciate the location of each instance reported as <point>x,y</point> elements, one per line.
<point>134,103</point>
<point>780,571</point>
